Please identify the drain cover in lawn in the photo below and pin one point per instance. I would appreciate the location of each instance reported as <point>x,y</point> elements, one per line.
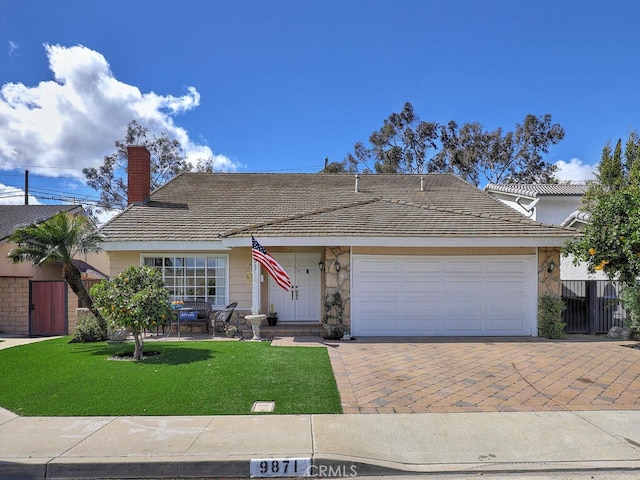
<point>263,406</point>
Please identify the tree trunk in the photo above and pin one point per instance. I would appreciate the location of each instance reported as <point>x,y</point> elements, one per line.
<point>72,275</point>
<point>137,353</point>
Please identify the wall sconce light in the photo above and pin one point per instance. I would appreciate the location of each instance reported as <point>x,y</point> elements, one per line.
<point>321,265</point>
<point>551,267</point>
<point>337,265</point>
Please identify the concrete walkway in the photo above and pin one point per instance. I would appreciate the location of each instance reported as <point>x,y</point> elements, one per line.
<point>336,445</point>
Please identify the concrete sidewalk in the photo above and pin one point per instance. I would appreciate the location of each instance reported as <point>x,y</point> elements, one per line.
<point>340,445</point>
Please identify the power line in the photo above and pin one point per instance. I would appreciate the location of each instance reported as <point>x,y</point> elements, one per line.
<point>28,166</point>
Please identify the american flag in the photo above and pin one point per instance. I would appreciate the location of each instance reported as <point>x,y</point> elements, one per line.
<point>261,256</point>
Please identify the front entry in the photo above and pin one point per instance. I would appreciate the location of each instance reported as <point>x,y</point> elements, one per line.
<point>302,303</point>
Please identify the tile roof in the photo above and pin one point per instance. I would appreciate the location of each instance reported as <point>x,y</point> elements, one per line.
<point>13,217</point>
<point>577,216</point>
<point>208,206</point>
<point>537,190</point>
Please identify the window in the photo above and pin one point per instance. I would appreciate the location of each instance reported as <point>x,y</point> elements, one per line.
<point>193,277</point>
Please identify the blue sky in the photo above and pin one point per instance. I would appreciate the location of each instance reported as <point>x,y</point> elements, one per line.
<point>280,85</point>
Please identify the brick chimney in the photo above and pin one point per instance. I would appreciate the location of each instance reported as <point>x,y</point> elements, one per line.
<point>139,175</point>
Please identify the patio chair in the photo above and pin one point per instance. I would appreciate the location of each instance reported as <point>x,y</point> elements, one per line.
<point>223,317</point>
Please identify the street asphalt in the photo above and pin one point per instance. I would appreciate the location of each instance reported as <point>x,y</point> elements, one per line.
<point>346,445</point>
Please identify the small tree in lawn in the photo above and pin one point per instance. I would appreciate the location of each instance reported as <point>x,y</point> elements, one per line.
<point>136,299</point>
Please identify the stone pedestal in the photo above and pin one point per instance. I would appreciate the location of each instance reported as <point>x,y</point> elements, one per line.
<point>255,321</point>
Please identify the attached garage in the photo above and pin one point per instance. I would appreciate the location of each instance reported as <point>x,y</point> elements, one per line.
<point>397,295</point>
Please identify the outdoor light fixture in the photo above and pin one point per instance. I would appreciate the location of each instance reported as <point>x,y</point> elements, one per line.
<point>551,267</point>
<point>337,265</point>
<point>321,265</point>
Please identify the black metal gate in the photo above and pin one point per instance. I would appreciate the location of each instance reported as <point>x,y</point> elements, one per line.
<point>593,306</point>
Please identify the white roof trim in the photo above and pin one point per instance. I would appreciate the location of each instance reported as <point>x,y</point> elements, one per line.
<point>403,242</point>
<point>230,243</point>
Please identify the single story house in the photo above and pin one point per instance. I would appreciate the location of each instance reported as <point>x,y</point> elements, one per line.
<point>37,301</point>
<point>555,204</point>
<point>421,255</point>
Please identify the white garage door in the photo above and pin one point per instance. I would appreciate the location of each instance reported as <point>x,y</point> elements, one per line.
<point>431,296</point>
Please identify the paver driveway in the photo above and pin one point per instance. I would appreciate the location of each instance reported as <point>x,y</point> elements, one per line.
<point>488,375</point>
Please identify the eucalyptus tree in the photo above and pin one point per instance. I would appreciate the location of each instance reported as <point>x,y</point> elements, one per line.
<point>406,144</point>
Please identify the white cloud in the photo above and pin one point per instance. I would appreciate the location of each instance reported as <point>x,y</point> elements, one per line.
<point>14,196</point>
<point>13,48</point>
<point>60,126</point>
<point>575,171</point>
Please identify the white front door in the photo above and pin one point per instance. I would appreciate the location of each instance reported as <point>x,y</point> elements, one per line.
<point>302,303</point>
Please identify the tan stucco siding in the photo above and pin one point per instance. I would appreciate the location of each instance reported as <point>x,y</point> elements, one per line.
<point>239,281</point>
<point>100,261</point>
<point>119,261</point>
<point>26,269</point>
<point>443,251</point>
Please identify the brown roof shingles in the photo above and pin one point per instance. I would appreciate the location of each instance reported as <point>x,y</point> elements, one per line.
<point>201,207</point>
<point>17,216</point>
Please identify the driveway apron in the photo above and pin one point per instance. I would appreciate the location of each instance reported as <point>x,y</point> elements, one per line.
<point>489,375</point>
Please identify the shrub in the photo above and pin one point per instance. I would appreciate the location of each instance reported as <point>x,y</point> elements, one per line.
<point>88,330</point>
<point>550,324</point>
<point>333,316</point>
<point>630,297</point>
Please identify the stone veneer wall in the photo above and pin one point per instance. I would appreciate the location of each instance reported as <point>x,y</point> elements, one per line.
<point>14,313</point>
<point>549,282</point>
<point>341,280</point>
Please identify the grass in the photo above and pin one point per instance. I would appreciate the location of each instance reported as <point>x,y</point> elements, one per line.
<point>57,378</point>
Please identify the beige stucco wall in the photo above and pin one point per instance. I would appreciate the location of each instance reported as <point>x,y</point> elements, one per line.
<point>100,261</point>
<point>444,251</point>
<point>119,261</point>
<point>26,269</point>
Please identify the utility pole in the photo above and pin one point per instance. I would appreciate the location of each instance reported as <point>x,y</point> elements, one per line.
<point>26,187</point>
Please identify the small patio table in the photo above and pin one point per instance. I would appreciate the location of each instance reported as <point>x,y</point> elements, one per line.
<point>180,313</point>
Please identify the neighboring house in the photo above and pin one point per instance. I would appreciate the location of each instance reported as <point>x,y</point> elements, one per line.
<point>36,300</point>
<point>556,204</point>
<point>546,203</point>
<point>410,254</point>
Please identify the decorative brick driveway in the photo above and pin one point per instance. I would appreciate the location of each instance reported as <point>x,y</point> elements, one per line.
<point>490,375</point>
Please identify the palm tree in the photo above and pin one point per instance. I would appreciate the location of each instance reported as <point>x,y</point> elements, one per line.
<point>59,240</point>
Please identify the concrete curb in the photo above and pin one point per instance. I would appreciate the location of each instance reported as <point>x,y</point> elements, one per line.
<point>146,468</point>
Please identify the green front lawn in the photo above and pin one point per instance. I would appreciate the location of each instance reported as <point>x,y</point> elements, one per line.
<point>57,378</point>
